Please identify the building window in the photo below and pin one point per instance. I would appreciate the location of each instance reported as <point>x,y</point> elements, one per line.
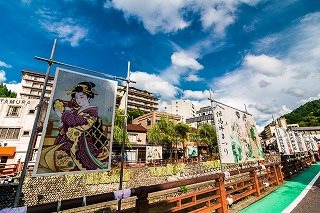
<point>31,111</point>
<point>148,122</point>
<point>133,138</point>
<point>3,159</point>
<point>14,111</point>
<point>9,133</point>
<point>26,133</point>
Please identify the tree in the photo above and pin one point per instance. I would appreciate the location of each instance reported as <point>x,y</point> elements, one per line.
<point>182,131</point>
<point>5,93</point>
<point>163,133</point>
<point>134,113</point>
<point>118,128</point>
<point>206,133</point>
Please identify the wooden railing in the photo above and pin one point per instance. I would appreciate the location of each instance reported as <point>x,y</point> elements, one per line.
<point>10,169</point>
<point>294,165</point>
<point>204,200</point>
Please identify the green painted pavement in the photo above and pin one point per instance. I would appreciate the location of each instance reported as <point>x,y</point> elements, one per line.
<point>278,200</point>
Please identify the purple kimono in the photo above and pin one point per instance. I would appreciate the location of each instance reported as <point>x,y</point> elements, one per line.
<point>83,144</point>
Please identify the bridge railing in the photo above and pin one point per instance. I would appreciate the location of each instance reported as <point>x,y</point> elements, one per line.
<point>234,185</point>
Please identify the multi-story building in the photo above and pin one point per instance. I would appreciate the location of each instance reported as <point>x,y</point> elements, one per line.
<point>203,115</point>
<point>32,83</point>
<point>137,99</point>
<point>311,130</point>
<point>16,121</point>
<point>184,108</point>
<point>149,119</point>
<point>270,129</point>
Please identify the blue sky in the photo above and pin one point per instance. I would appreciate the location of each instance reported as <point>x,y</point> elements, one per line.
<point>261,53</point>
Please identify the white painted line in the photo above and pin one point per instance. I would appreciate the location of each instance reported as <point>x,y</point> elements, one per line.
<point>301,196</point>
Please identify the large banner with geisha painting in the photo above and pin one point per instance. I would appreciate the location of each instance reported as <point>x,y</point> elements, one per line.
<point>238,139</point>
<point>77,133</point>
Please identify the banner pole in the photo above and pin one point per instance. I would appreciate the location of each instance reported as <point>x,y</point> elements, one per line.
<point>34,129</point>
<point>212,111</point>
<point>124,133</point>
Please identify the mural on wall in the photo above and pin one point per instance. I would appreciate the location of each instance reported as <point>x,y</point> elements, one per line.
<point>237,135</point>
<point>192,151</point>
<point>77,133</point>
<point>153,153</point>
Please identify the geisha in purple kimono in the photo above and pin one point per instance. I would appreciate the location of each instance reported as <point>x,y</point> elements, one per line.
<point>81,143</point>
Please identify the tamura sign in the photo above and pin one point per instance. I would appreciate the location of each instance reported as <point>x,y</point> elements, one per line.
<point>15,101</point>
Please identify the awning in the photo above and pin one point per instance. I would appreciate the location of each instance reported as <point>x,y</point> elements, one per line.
<point>7,151</point>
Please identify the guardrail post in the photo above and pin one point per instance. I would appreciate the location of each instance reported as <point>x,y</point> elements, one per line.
<point>142,203</point>
<point>219,182</point>
<point>256,184</point>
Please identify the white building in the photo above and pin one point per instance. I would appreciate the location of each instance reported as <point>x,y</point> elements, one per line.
<point>32,83</point>
<point>184,108</point>
<point>16,121</point>
<point>203,115</point>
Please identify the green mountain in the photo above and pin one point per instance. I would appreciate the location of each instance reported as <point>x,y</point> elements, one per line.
<point>306,115</point>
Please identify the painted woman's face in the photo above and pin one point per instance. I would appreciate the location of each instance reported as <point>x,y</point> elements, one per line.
<point>81,99</point>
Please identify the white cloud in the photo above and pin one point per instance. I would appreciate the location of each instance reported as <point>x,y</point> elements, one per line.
<point>4,64</point>
<point>193,77</point>
<point>154,84</point>
<point>297,92</point>
<point>64,28</point>
<point>14,86</point>
<point>182,59</point>
<point>219,19</point>
<point>171,16</point>
<point>156,15</point>
<point>183,64</point>
<point>66,31</point>
<point>2,76</point>
<point>278,79</point>
<point>263,64</point>
<point>196,95</point>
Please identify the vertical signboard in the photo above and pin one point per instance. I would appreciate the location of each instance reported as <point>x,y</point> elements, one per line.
<point>300,141</point>
<point>77,133</point>
<point>153,153</point>
<point>237,135</point>
<point>314,143</point>
<point>293,141</point>
<point>283,141</point>
<point>307,142</point>
<point>192,151</point>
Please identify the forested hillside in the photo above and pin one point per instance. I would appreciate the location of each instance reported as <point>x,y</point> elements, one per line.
<point>306,115</point>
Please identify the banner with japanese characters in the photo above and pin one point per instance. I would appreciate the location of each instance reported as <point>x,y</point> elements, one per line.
<point>293,141</point>
<point>238,139</point>
<point>300,141</point>
<point>314,143</point>
<point>308,143</point>
<point>283,141</point>
<point>77,133</point>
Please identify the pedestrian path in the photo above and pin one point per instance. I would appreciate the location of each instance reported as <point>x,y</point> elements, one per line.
<point>281,198</point>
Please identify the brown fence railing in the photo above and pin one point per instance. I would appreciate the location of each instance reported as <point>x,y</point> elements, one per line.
<point>204,200</point>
